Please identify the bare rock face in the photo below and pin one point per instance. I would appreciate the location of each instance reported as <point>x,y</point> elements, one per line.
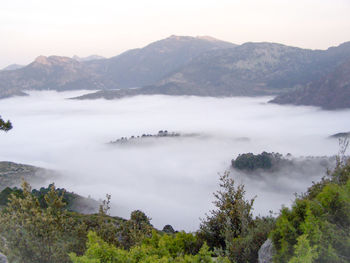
<point>3,258</point>
<point>266,252</point>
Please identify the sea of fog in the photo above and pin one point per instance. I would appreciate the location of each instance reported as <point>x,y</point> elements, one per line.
<point>170,179</point>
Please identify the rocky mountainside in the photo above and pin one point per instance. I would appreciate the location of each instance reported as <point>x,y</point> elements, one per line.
<point>248,70</point>
<point>88,58</point>
<point>329,92</point>
<point>13,67</point>
<point>11,174</point>
<point>137,67</point>
<point>57,73</point>
<point>145,66</point>
<point>180,65</point>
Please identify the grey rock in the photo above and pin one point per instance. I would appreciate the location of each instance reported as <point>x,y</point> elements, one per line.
<point>3,258</point>
<point>266,252</point>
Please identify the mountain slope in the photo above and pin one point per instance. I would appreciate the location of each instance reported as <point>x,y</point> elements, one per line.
<point>57,73</point>
<point>329,92</point>
<point>12,174</point>
<point>145,66</point>
<point>13,67</point>
<point>247,70</point>
<point>138,67</point>
<point>89,58</point>
<point>177,65</point>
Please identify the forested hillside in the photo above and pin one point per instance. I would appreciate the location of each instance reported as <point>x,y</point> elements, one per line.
<point>38,226</point>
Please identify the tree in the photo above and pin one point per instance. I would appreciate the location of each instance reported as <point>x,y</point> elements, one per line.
<point>106,228</point>
<point>5,126</point>
<point>34,234</point>
<point>135,230</point>
<point>304,253</point>
<point>232,217</point>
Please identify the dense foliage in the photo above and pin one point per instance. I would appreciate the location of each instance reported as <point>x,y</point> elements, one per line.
<point>67,197</point>
<point>230,229</point>
<point>317,227</point>
<point>251,162</point>
<point>34,234</point>
<point>156,249</point>
<point>36,226</point>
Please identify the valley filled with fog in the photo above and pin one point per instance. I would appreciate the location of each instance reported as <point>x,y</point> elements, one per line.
<point>170,179</point>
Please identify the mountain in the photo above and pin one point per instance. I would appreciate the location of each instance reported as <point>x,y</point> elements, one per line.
<point>329,92</point>
<point>250,69</point>
<point>11,174</point>
<point>137,67</point>
<point>89,58</point>
<point>13,67</point>
<point>57,73</point>
<point>145,66</point>
<point>180,65</point>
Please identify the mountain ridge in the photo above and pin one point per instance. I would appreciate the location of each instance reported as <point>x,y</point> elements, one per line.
<point>181,65</point>
<point>329,92</point>
<point>136,67</point>
<point>251,69</point>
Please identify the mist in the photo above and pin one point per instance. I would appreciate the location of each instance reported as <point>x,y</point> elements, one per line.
<point>170,179</point>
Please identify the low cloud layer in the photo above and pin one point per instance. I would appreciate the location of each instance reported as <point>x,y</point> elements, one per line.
<point>171,179</point>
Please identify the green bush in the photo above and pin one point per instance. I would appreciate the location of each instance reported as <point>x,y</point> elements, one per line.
<point>156,249</point>
<point>317,227</point>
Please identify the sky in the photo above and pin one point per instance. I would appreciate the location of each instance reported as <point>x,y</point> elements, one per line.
<point>170,179</point>
<point>29,28</point>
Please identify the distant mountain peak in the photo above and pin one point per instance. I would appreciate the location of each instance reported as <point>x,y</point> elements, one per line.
<point>208,38</point>
<point>88,58</point>
<point>176,36</point>
<point>52,60</point>
<point>13,67</point>
<point>42,60</point>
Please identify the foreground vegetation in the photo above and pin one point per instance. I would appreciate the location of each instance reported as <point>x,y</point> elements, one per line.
<point>39,226</point>
<point>317,227</point>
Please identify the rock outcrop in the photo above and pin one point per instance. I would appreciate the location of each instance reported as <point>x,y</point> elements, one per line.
<point>266,252</point>
<point>11,174</point>
<point>3,258</point>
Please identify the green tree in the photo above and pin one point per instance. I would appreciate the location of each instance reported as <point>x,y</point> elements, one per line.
<point>245,248</point>
<point>5,125</point>
<point>135,230</point>
<point>35,234</point>
<point>230,220</point>
<point>304,253</point>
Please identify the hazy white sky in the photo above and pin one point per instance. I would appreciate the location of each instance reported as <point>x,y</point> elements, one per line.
<point>29,28</point>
